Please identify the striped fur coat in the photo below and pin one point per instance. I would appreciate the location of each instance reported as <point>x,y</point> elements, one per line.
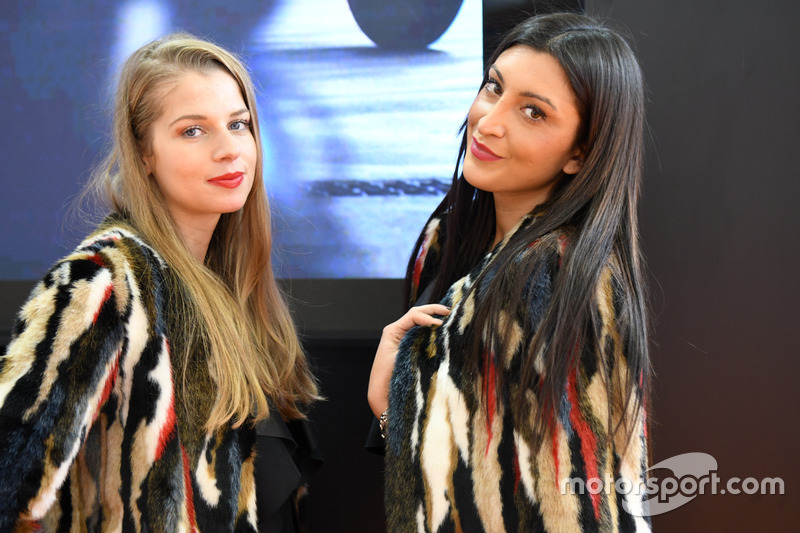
<point>454,463</point>
<point>94,432</point>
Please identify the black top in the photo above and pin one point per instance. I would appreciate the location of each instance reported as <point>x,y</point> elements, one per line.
<point>286,455</point>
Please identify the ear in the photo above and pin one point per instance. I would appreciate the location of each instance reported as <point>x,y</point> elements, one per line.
<point>575,163</point>
<point>147,166</point>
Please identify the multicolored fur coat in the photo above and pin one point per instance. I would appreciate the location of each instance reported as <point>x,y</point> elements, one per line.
<point>455,460</point>
<point>97,430</point>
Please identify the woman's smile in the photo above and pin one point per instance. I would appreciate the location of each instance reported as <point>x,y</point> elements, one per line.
<point>482,152</point>
<point>230,180</point>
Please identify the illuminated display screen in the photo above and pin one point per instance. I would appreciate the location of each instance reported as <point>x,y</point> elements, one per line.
<point>360,140</point>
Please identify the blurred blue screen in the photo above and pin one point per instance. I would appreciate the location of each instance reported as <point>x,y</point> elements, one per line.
<point>359,141</point>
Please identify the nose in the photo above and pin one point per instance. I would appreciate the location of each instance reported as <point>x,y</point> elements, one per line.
<point>491,120</point>
<point>227,147</point>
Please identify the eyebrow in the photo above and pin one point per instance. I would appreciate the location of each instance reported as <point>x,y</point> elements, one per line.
<point>203,117</point>
<point>526,94</point>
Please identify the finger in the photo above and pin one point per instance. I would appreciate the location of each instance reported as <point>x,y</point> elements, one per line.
<point>424,319</point>
<point>424,315</point>
<point>434,309</point>
<point>415,317</point>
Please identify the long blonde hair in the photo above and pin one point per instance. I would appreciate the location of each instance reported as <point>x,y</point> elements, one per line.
<point>253,351</point>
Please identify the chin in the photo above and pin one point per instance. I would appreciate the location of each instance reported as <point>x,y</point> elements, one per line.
<point>472,176</point>
<point>231,208</point>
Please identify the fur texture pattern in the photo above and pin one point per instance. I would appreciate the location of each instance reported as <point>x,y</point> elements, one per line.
<point>455,458</point>
<point>101,423</point>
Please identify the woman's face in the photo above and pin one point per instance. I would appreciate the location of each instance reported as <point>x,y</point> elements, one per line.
<point>522,129</point>
<point>203,154</point>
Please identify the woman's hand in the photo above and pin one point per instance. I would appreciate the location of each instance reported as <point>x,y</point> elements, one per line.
<point>382,366</point>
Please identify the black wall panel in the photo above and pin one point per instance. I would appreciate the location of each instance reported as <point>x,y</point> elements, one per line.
<point>720,230</point>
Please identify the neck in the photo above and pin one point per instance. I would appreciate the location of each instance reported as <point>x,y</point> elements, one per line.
<point>197,234</point>
<point>508,211</point>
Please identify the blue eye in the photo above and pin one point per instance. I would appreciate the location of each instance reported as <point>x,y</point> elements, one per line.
<point>240,125</point>
<point>192,131</point>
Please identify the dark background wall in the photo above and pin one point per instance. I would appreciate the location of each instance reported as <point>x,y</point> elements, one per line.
<point>720,230</point>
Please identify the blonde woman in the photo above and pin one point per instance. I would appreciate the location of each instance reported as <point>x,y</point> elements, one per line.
<point>143,361</point>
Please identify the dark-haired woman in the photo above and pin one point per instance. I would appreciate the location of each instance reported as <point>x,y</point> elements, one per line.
<point>517,403</point>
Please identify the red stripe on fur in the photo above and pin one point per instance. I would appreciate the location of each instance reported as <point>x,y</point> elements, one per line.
<point>106,296</point>
<point>562,247</point>
<point>166,430</point>
<point>109,386</point>
<point>96,259</point>
<point>588,439</point>
<point>169,424</point>
<point>187,481</point>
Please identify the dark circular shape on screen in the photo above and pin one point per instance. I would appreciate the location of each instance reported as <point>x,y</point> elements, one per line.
<point>404,23</point>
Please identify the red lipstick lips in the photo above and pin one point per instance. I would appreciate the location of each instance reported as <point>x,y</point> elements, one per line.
<point>482,152</point>
<point>230,180</point>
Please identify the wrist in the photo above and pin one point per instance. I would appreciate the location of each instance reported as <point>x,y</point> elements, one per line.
<point>378,402</point>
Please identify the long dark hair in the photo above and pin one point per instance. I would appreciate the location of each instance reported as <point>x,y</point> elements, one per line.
<point>595,209</point>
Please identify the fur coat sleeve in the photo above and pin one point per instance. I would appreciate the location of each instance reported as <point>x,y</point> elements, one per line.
<point>456,459</point>
<point>57,373</point>
<point>90,425</point>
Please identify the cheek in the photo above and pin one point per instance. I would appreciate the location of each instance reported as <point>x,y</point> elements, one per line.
<point>253,152</point>
<point>474,115</point>
<point>179,169</point>
<point>252,160</point>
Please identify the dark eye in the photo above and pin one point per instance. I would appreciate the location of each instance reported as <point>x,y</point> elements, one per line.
<point>534,113</point>
<point>493,86</point>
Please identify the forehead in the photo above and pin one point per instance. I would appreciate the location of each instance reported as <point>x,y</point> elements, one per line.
<point>213,87</point>
<point>527,69</point>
